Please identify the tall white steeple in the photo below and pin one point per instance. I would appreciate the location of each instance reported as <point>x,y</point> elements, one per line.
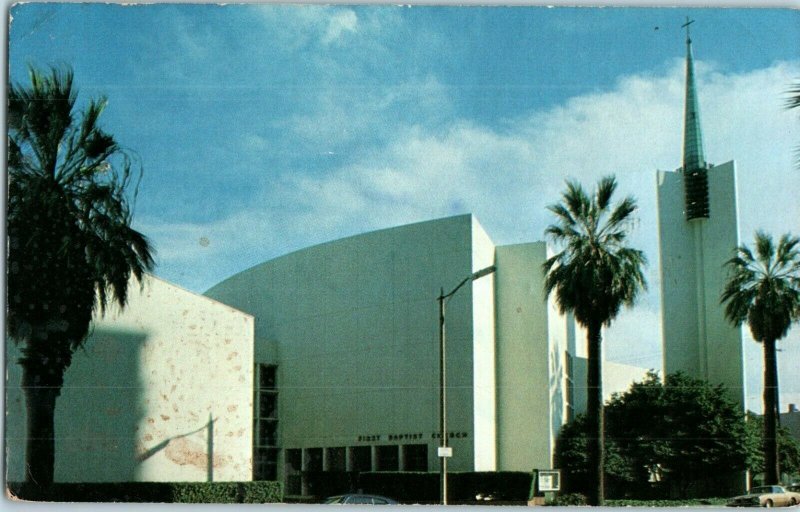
<point>698,232</point>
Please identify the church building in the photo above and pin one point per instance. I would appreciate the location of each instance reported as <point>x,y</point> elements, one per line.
<point>328,358</point>
<point>698,231</point>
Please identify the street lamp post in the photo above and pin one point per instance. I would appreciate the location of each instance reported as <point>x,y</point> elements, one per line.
<point>444,453</point>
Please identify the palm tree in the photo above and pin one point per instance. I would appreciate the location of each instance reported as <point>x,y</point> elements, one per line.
<point>793,101</point>
<point>794,96</point>
<point>764,291</point>
<point>594,275</point>
<point>71,249</point>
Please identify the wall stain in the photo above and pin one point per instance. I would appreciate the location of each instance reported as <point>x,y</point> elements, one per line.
<point>185,452</point>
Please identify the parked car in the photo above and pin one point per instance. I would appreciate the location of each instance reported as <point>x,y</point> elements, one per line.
<point>766,496</point>
<point>360,499</point>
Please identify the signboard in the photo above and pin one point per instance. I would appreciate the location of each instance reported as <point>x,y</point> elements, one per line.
<point>445,451</point>
<point>549,480</point>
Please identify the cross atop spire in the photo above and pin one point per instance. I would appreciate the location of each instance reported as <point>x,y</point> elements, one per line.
<point>693,158</point>
<point>686,25</point>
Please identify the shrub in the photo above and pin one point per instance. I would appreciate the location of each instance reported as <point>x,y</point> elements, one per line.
<point>569,500</point>
<point>715,502</point>
<point>680,438</point>
<point>151,492</point>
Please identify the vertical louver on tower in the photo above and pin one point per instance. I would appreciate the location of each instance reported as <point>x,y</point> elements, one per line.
<point>694,165</point>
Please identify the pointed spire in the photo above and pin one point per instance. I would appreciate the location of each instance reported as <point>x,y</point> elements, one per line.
<point>694,163</point>
<point>693,157</point>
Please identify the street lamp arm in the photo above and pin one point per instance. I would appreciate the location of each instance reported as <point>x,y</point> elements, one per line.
<point>476,275</point>
<point>462,283</point>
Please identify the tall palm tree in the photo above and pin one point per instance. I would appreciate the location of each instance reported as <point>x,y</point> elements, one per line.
<point>763,289</point>
<point>593,276</point>
<point>71,249</point>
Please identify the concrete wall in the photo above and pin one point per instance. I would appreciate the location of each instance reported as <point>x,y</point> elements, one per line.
<point>523,366</point>
<point>138,400</point>
<point>692,256</point>
<point>483,355</point>
<point>353,327</point>
<point>617,378</point>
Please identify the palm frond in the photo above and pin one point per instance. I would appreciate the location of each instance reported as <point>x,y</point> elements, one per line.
<point>605,189</point>
<point>764,290</point>
<point>71,246</point>
<point>793,101</point>
<point>764,247</point>
<point>595,273</point>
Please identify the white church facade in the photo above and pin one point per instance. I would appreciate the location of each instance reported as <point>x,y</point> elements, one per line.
<point>327,359</point>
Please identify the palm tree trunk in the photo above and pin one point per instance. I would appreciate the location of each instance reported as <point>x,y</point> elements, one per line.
<point>594,415</point>
<point>40,402</point>
<point>771,461</point>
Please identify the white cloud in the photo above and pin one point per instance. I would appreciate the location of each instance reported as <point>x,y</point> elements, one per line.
<point>294,26</point>
<point>343,114</point>
<point>507,176</point>
<point>341,22</point>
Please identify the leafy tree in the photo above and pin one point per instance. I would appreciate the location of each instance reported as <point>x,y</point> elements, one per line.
<point>788,447</point>
<point>763,289</point>
<point>71,249</point>
<point>572,457</point>
<point>662,436</point>
<point>685,429</point>
<point>593,276</point>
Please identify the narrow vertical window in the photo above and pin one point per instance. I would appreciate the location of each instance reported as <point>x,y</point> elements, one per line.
<point>265,424</point>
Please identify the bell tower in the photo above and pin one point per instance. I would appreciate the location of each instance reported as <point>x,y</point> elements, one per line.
<point>698,228</point>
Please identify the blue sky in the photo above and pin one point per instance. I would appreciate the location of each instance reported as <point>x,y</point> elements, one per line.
<point>265,129</point>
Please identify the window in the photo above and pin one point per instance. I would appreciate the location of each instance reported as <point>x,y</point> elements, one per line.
<point>314,459</point>
<point>336,459</point>
<point>265,465</point>
<point>362,458</point>
<point>266,376</point>
<point>265,424</point>
<point>292,468</point>
<point>388,459</point>
<point>268,405</point>
<point>359,500</point>
<point>415,457</point>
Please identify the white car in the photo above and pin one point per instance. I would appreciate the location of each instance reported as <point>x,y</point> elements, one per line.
<point>766,496</point>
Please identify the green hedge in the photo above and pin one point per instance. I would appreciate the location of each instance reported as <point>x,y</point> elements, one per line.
<point>716,502</point>
<point>414,487</point>
<point>152,492</point>
<point>575,499</point>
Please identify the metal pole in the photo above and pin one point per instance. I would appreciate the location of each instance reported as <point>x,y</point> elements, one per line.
<point>442,402</point>
<point>443,378</point>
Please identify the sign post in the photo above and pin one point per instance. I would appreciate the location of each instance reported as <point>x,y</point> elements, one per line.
<point>549,482</point>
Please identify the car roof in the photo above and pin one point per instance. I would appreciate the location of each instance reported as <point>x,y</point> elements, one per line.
<point>354,494</point>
